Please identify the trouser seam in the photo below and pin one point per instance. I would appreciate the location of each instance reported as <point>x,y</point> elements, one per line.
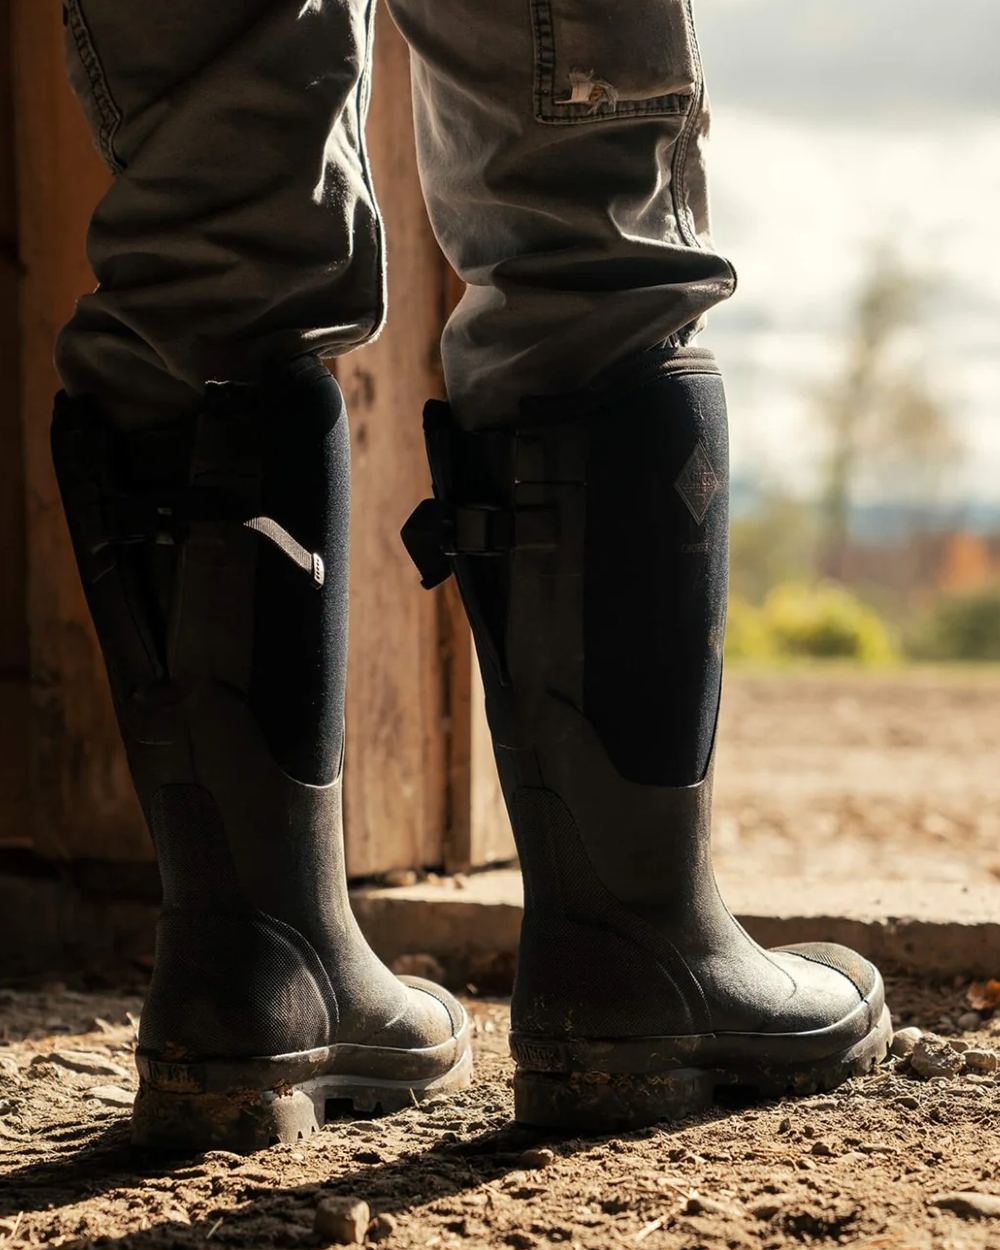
<point>109,114</point>
<point>682,209</point>
<point>361,98</point>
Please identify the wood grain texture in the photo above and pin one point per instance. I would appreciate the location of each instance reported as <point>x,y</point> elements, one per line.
<point>421,787</point>
<point>396,793</point>
<point>479,832</point>
<point>14,805</point>
<point>82,800</point>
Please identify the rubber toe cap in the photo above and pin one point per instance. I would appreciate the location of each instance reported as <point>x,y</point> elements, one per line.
<point>429,1017</point>
<point>831,984</point>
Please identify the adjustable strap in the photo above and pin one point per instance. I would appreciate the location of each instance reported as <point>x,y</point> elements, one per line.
<point>437,532</point>
<point>310,562</point>
<point>160,518</point>
<point>440,529</point>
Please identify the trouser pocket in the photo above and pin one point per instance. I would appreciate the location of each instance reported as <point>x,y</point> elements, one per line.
<point>90,84</point>
<point>597,59</point>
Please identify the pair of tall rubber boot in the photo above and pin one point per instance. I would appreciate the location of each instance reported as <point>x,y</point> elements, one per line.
<point>589,539</point>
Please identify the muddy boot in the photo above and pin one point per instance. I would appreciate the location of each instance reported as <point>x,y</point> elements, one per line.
<point>590,547</point>
<point>214,558</point>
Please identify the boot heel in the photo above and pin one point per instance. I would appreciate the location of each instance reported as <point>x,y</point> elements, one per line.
<point>242,1120</point>
<point>602,1102</point>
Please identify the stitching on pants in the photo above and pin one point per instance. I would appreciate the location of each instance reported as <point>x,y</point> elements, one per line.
<point>678,178</point>
<point>565,113</point>
<point>109,115</point>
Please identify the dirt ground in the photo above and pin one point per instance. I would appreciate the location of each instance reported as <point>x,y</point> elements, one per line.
<point>843,774</point>
<point>819,775</point>
<point>864,1167</point>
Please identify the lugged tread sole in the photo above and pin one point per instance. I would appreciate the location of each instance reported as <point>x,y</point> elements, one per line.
<point>603,1102</point>
<point>247,1119</point>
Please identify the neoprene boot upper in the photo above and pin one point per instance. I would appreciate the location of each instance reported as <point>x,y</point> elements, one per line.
<point>214,557</point>
<point>590,542</point>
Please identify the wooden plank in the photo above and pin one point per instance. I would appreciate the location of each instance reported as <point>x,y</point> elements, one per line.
<point>491,840</point>
<point>397,793</point>
<point>479,831</point>
<point>412,774</point>
<point>82,801</point>
<point>14,825</point>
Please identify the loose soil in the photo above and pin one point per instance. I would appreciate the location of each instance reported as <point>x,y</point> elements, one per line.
<point>846,774</point>
<point>862,1167</point>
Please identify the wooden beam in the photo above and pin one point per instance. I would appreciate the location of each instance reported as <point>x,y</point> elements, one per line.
<point>421,787</point>
<point>82,800</point>
<point>397,795</point>
<point>14,823</point>
<point>479,832</point>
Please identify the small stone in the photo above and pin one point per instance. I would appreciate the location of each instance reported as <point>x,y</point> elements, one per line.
<point>344,1221</point>
<point>400,878</point>
<point>225,1158</point>
<point>785,1126</point>
<point>904,1041</point>
<point>111,1095</point>
<point>536,1159</point>
<point>767,1209</point>
<point>382,1227</point>
<point>945,1025</point>
<point>460,881</point>
<point>819,1104</point>
<point>821,1148</point>
<point>933,1058</point>
<point>969,1021</point>
<point>85,1061</point>
<point>959,1044</point>
<point>970,1205</point>
<point>908,1102</point>
<point>980,1060</point>
<point>697,1205</point>
<point>418,965</point>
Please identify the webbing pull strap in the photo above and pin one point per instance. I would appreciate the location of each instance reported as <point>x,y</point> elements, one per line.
<point>308,561</point>
<point>159,518</point>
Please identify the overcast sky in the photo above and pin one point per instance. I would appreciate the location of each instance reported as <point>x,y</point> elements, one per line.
<point>840,124</point>
<point>905,58</point>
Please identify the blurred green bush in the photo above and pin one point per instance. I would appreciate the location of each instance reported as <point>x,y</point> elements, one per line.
<point>963,627</point>
<point>799,620</point>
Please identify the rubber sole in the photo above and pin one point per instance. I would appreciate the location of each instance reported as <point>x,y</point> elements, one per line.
<point>250,1105</point>
<point>594,1101</point>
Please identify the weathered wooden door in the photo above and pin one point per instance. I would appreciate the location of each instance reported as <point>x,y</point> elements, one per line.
<point>420,783</point>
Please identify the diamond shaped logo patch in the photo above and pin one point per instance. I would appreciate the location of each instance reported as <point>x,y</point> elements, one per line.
<point>698,483</point>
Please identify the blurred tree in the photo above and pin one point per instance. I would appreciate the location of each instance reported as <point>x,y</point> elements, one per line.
<point>775,542</point>
<point>882,419</point>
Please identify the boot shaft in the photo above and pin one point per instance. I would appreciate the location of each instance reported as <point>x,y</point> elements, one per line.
<point>591,549</point>
<point>214,559</point>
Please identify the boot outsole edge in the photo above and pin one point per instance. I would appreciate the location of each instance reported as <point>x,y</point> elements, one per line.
<point>244,1115</point>
<point>598,1102</point>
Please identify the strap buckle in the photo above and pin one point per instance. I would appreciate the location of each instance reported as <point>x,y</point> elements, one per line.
<point>437,533</point>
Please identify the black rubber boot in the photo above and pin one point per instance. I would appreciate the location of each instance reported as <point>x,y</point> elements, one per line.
<point>214,558</point>
<point>590,545</point>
